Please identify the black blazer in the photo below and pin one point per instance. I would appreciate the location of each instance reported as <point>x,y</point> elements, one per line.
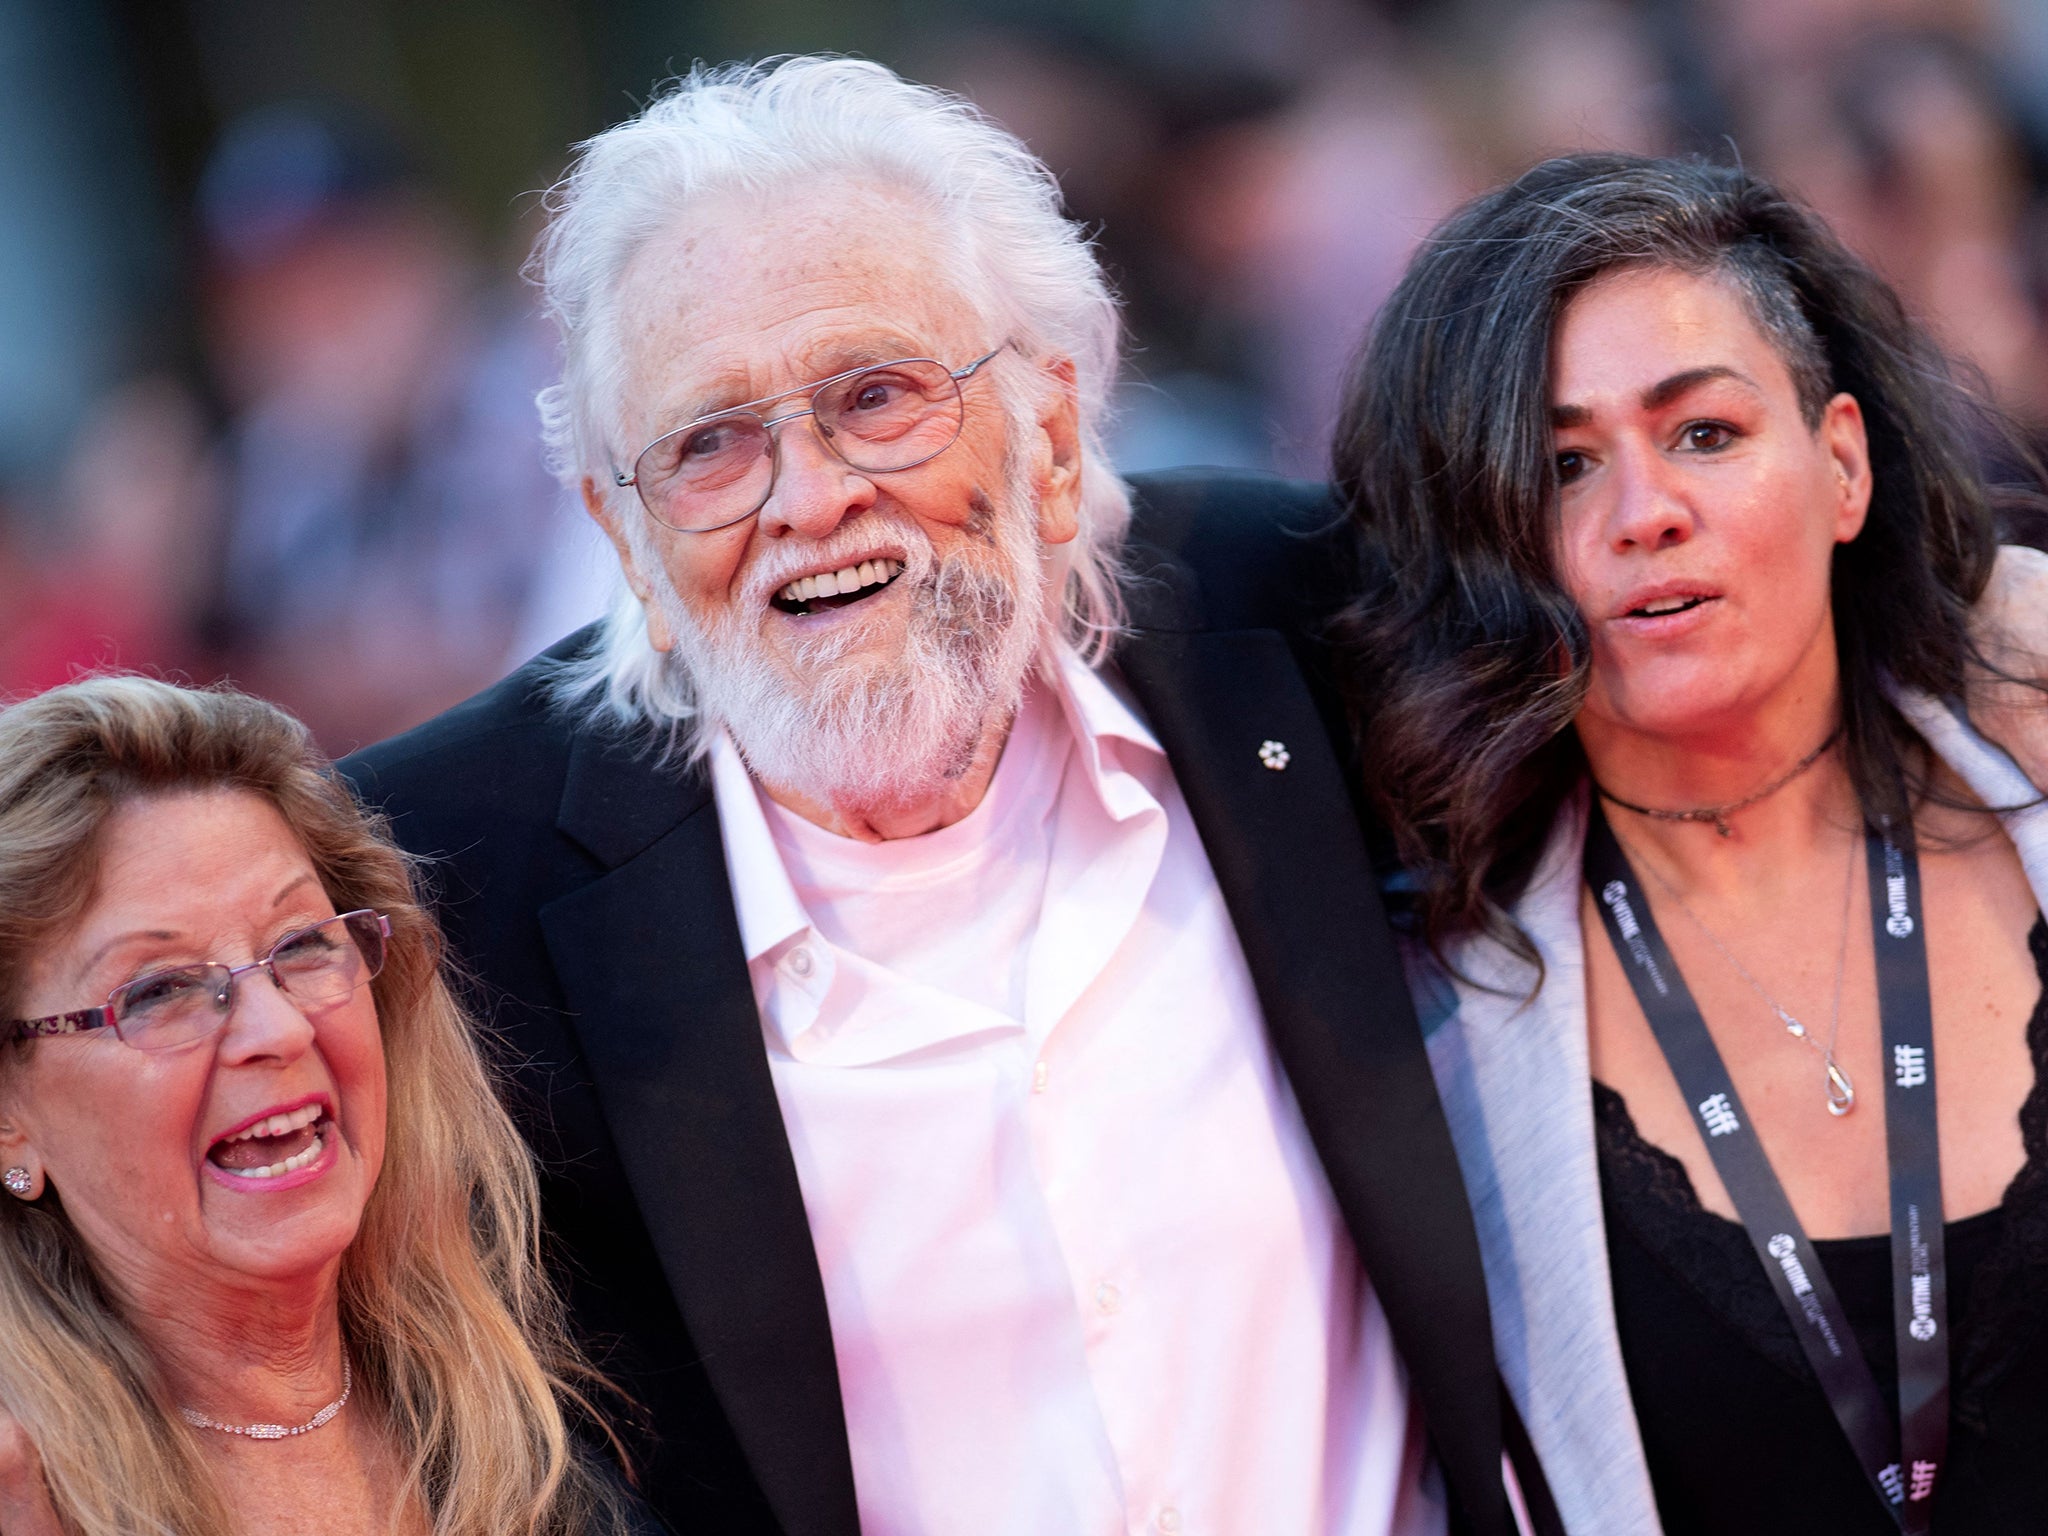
<point>585,893</point>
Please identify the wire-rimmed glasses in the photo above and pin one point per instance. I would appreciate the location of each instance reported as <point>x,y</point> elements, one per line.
<point>315,966</point>
<point>878,418</point>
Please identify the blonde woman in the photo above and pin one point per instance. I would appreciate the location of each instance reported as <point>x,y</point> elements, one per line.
<point>267,1240</point>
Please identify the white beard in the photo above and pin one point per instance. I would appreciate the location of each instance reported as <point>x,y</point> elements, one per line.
<point>864,733</point>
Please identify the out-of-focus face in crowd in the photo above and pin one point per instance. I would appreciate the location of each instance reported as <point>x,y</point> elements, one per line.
<point>865,633</point>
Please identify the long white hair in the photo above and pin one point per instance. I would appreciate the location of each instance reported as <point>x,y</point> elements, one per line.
<point>1004,244</point>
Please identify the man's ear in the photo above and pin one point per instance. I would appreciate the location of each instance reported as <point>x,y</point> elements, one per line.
<point>606,516</point>
<point>1848,447</point>
<point>1056,456</point>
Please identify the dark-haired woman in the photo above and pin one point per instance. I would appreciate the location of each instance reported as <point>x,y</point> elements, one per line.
<point>1729,942</point>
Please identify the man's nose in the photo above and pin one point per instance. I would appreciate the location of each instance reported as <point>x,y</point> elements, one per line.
<point>1649,509</point>
<point>815,490</point>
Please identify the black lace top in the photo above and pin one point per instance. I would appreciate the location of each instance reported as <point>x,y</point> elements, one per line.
<point>1738,1434</point>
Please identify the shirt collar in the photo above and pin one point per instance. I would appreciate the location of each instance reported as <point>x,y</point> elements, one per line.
<point>1121,757</point>
<point>762,897</point>
<point>1095,709</point>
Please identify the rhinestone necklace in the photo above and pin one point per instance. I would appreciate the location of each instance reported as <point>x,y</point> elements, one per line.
<point>1841,1092</point>
<point>1719,814</point>
<point>199,1420</point>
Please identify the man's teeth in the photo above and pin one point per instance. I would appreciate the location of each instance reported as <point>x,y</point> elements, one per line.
<point>869,573</point>
<point>291,1164</point>
<point>278,1125</point>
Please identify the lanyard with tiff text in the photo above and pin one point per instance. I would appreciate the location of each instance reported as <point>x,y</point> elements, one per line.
<point>1902,1470</point>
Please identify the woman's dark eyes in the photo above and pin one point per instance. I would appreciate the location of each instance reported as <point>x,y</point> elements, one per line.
<point>1694,436</point>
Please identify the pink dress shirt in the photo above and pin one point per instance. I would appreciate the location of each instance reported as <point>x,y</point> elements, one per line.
<point>1084,1271</point>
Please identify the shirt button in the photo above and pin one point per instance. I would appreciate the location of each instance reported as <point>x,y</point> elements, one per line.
<point>1169,1520</point>
<point>1039,1073</point>
<point>1108,1298</point>
<point>800,962</point>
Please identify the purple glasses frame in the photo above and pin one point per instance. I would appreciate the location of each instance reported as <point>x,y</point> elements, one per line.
<point>103,1017</point>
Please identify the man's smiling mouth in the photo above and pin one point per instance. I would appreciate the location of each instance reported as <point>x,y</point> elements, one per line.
<point>836,589</point>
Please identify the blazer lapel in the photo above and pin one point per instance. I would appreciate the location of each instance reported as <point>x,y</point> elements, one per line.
<point>650,958</point>
<point>1253,759</point>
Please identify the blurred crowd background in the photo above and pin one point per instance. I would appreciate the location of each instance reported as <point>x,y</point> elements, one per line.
<point>267,365</point>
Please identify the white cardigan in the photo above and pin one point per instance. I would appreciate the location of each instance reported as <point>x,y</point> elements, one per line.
<point>1517,1088</point>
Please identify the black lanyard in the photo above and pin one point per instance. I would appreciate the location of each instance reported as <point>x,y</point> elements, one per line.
<point>1904,1477</point>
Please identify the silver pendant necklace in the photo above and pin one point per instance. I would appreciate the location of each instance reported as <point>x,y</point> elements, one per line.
<point>199,1420</point>
<point>1841,1091</point>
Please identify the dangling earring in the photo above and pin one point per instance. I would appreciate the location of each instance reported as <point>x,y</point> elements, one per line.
<point>19,1181</point>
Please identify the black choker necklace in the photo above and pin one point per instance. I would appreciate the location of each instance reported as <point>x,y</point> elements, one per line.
<point>1719,814</point>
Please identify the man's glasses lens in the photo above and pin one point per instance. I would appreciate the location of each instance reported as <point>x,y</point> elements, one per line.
<point>892,417</point>
<point>718,470</point>
<point>315,967</point>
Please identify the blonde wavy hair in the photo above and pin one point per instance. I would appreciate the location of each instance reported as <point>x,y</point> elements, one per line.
<point>457,1338</point>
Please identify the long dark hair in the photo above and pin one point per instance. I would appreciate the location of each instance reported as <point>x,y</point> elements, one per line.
<point>1466,660</point>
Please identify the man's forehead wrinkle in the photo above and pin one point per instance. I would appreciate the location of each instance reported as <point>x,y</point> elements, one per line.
<point>739,369</point>
<point>728,315</point>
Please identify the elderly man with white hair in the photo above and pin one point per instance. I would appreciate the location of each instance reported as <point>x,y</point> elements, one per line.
<point>974,1081</point>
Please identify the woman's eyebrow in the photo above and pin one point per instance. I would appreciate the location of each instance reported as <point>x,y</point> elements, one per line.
<point>165,936</point>
<point>290,886</point>
<point>1660,394</point>
<point>92,961</point>
<point>1663,392</point>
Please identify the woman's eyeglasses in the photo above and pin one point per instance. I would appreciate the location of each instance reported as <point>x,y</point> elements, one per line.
<point>316,967</point>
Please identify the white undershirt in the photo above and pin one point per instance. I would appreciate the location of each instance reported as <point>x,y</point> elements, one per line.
<point>1084,1271</point>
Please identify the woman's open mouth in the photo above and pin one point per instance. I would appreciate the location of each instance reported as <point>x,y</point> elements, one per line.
<point>1664,607</point>
<point>836,589</point>
<point>276,1146</point>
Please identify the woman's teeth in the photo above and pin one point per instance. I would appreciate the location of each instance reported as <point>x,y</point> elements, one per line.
<point>277,1125</point>
<point>1667,605</point>
<point>273,1146</point>
<point>291,1164</point>
<point>869,573</point>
